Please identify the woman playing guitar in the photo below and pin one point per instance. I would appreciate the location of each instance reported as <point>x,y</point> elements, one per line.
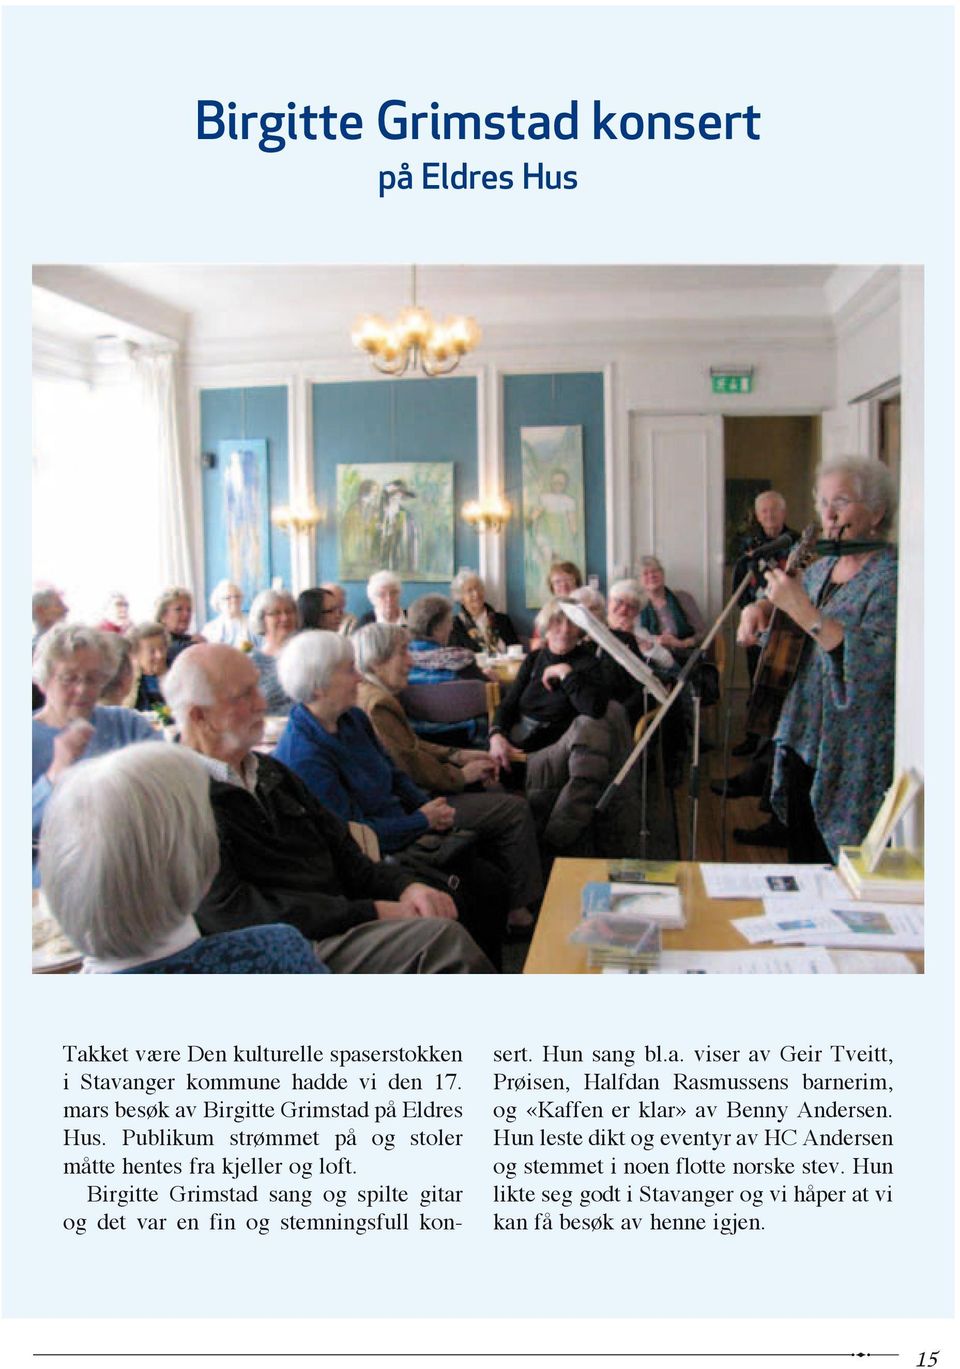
<point>834,740</point>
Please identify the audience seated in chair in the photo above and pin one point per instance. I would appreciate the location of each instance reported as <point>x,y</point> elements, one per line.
<point>558,712</point>
<point>49,609</point>
<point>116,614</point>
<point>173,610</point>
<point>284,857</point>
<point>230,626</point>
<point>330,743</point>
<point>273,621</point>
<point>128,849</point>
<point>72,666</point>
<point>476,625</point>
<point>504,820</point>
<point>436,662</point>
<point>383,590</point>
<point>148,645</point>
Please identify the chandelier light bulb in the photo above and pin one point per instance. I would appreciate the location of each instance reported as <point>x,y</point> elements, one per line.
<point>369,332</point>
<point>415,340</point>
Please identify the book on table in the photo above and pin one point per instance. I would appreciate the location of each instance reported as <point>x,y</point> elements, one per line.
<point>660,904</point>
<point>897,877</point>
<point>897,802</point>
<point>876,870</point>
<point>627,870</point>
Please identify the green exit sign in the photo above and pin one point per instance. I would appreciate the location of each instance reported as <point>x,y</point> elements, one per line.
<point>731,383</point>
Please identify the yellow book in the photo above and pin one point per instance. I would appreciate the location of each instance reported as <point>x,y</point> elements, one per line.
<point>896,802</point>
<point>629,871</point>
<point>896,878</point>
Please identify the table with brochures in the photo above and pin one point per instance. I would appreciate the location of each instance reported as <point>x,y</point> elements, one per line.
<point>709,920</point>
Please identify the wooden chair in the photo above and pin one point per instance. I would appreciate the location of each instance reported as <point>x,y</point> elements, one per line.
<point>492,688</point>
<point>366,838</point>
<point>642,724</point>
<point>719,650</point>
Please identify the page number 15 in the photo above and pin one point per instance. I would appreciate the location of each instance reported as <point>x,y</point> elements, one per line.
<point>928,1359</point>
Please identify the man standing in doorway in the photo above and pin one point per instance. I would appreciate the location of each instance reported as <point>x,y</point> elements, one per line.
<point>770,515</point>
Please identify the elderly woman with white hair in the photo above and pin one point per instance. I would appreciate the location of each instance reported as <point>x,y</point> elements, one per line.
<point>116,613</point>
<point>834,741</point>
<point>72,666</point>
<point>671,617</point>
<point>383,659</point>
<point>476,625</point>
<point>621,685</point>
<point>383,590</point>
<point>330,743</point>
<point>128,849</point>
<point>273,621</point>
<point>229,627</point>
<point>623,605</point>
<point>624,602</point>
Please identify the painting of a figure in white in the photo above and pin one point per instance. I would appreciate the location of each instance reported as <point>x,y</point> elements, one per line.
<point>246,514</point>
<point>552,504</point>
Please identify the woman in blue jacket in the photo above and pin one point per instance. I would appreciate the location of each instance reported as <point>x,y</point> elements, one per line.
<point>330,743</point>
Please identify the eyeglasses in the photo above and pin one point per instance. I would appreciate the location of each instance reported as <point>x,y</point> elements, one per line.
<point>72,678</point>
<point>836,505</point>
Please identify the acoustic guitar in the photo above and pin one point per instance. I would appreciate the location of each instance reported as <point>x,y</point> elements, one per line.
<point>780,657</point>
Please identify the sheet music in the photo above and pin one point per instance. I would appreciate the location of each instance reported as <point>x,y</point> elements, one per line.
<point>612,645</point>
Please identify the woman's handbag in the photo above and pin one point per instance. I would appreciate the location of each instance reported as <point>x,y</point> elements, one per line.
<point>443,849</point>
<point>435,856</point>
<point>524,731</point>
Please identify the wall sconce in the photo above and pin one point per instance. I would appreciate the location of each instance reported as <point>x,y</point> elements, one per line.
<point>487,516</point>
<point>292,519</point>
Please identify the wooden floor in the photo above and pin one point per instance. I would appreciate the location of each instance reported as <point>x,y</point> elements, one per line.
<point>716,817</point>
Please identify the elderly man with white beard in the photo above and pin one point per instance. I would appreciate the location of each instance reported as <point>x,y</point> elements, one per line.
<point>286,858</point>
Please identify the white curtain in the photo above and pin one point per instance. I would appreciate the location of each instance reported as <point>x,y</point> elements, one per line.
<point>180,562</point>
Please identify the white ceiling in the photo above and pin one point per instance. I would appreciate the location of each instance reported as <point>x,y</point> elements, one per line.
<point>223,311</point>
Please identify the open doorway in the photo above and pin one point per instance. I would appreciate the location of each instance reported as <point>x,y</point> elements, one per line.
<point>775,452</point>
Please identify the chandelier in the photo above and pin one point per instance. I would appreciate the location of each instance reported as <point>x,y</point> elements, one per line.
<point>413,339</point>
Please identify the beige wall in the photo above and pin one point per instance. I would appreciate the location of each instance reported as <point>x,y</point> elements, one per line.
<point>784,450</point>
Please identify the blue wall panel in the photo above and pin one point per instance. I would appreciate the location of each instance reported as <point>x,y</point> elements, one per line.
<point>256,412</point>
<point>394,420</point>
<point>545,401</point>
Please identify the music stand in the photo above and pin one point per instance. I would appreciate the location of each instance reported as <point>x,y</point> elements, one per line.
<point>633,665</point>
<point>667,703</point>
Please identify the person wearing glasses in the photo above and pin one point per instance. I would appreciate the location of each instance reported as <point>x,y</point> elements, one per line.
<point>834,742</point>
<point>72,665</point>
<point>273,621</point>
<point>229,627</point>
